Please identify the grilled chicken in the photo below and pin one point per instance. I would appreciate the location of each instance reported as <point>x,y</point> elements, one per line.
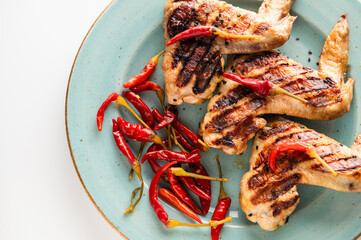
<point>192,68</point>
<point>268,197</point>
<point>233,115</point>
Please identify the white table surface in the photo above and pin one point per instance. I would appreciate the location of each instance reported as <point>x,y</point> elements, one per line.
<point>41,196</point>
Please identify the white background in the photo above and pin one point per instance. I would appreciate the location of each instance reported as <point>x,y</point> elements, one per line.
<point>41,196</point>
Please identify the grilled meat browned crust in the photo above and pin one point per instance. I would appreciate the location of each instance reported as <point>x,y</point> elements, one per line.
<point>233,114</point>
<point>268,197</point>
<point>192,68</point>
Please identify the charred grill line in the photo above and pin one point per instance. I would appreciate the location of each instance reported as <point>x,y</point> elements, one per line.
<point>273,190</point>
<point>282,205</point>
<point>207,68</point>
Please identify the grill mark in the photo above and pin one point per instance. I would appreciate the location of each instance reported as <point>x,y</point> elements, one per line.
<point>248,125</point>
<point>260,60</point>
<point>204,10</point>
<point>261,28</point>
<point>282,72</point>
<point>232,97</point>
<point>185,50</point>
<point>206,70</point>
<point>180,19</point>
<point>190,64</point>
<point>225,118</point>
<point>324,98</point>
<point>242,24</point>
<point>327,150</point>
<point>278,129</point>
<point>273,190</point>
<point>340,164</point>
<point>309,84</point>
<point>282,205</point>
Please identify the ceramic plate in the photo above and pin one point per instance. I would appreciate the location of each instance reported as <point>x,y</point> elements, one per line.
<point>120,43</point>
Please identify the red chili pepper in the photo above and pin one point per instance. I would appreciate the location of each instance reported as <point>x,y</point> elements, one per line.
<point>196,141</point>
<point>206,31</point>
<point>100,115</point>
<point>259,86</point>
<point>181,157</point>
<point>222,207</point>
<point>146,86</point>
<point>124,148</point>
<point>122,145</point>
<point>153,197</point>
<point>181,193</point>
<point>144,75</point>
<point>138,132</point>
<point>191,185</point>
<point>142,108</point>
<point>204,184</point>
<point>176,202</point>
<point>158,116</point>
<point>170,116</point>
<point>296,146</point>
<point>154,165</point>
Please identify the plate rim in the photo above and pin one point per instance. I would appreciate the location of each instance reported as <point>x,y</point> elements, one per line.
<point>66,124</point>
<point>67,130</point>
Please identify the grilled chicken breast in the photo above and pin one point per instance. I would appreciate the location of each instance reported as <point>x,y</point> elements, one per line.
<point>192,68</point>
<point>268,197</point>
<point>233,115</point>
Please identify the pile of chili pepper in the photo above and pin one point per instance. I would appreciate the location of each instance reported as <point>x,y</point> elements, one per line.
<point>178,134</point>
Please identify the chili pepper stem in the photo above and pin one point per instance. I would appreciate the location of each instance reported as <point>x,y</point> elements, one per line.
<point>137,169</point>
<point>159,141</point>
<point>312,152</point>
<point>205,146</point>
<point>277,90</point>
<point>121,101</point>
<point>222,193</point>
<point>180,172</point>
<point>141,148</point>
<point>174,223</point>
<point>234,36</point>
<point>174,136</point>
<point>161,96</point>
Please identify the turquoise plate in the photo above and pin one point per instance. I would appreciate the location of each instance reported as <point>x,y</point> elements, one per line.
<point>119,44</point>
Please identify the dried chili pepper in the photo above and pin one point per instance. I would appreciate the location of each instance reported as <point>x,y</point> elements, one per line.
<point>153,197</point>
<point>154,165</point>
<point>170,116</point>
<point>158,116</point>
<point>205,185</point>
<point>151,86</point>
<point>142,108</point>
<point>296,146</point>
<point>196,141</point>
<point>124,148</point>
<point>162,214</point>
<point>176,202</point>
<point>144,75</point>
<point>100,115</point>
<point>222,207</point>
<point>262,87</point>
<point>181,193</point>
<point>138,132</point>
<point>207,31</point>
<point>181,157</point>
<point>191,185</point>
